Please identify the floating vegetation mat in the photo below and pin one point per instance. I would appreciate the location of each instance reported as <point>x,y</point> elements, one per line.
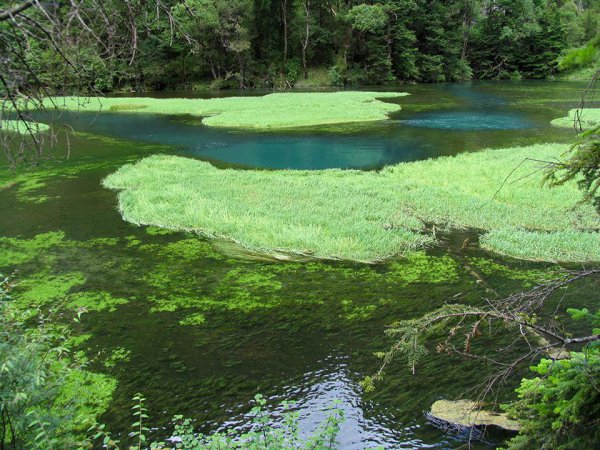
<point>367,216</point>
<point>273,111</point>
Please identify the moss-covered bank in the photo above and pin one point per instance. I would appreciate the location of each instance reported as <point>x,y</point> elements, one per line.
<point>364,216</point>
<point>273,111</point>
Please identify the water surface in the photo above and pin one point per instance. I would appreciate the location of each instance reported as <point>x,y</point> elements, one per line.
<point>435,120</point>
<point>304,332</point>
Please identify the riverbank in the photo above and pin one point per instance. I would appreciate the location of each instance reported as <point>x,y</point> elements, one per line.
<point>365,216</point>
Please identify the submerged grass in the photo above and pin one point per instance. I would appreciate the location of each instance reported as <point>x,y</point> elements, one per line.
<point>590,118</point>
<point>273,111</point>
<point>354,215</point>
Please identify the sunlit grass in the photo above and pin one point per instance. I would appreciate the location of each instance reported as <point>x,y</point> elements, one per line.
<point>567,245</point>
<point>273,111</point>
<point>590,118</point>
<point>22,127</point>
<point>348,214</point>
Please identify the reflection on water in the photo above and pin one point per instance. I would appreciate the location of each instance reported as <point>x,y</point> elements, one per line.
<point>331,386</point>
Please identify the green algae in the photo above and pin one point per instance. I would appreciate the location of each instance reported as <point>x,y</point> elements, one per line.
<point>418,267</point>
<point>490,267</point>
<point>94,301</point>
<point>352,311</point>
<point>193,319</point>
<point>45,288</point>
<point>117,356</point>
<point>189,249</point>
<point>157,231</point>
<point>19,251</point>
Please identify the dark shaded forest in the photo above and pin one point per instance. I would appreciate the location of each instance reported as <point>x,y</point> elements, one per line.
<point>195,44</point>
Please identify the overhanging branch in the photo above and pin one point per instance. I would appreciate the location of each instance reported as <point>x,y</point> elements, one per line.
<point>6,14</point>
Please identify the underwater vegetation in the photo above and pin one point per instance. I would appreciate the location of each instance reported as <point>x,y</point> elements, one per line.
<point>273,111</point>
<point>366,216</point>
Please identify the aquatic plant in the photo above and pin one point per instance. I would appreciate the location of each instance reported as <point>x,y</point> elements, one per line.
<point>281,110</point>
<point>362,216</point>
<point>567,245</point>
<point>265,432</point>
<point>19,251</point>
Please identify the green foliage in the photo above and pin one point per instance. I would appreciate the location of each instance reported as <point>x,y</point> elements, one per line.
<point>46,395</point>
<point>264,433</point>
<point>558,246</point>
<point>559,408</point>
<point>581,164</point>
<point>581,57</point>
<point>231,44</point>
<point>364,216</point>
<point>368,18</point>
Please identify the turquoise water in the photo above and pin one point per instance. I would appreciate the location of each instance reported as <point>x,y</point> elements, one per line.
<point>304,332</point>
<point>479,115</point>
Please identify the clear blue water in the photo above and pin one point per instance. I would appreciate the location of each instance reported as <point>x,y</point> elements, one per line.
<point>470,121</point>
<point>479,115</point>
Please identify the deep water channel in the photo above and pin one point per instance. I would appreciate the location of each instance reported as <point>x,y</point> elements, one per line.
<point>199,331</point>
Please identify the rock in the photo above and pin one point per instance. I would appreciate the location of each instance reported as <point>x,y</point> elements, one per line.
<point>468,414</point>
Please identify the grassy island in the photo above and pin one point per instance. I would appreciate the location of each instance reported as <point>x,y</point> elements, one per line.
<point>590,118</point>
<point>366,216</point>
<point>273,111</point>
<point>22,127</point>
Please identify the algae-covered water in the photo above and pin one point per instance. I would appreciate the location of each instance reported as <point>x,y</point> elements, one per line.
<point>199,330</point>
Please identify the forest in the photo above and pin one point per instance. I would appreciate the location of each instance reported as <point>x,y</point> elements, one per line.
<point>195,44</point>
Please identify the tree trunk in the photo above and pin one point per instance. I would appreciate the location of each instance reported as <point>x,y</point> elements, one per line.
<point>467,23</point>
<point>285,32</point>
<point>241,62</point>
<point>305,43</point>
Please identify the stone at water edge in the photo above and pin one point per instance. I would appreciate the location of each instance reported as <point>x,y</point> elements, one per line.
<point>467,413</point>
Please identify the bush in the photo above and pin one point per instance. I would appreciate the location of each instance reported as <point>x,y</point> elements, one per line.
<point>559,409</point>
<point>335,76</point>
<point>46,399</point>
<point>581,57</point>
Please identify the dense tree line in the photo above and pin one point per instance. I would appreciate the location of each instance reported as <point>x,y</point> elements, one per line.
<point>277,43</point>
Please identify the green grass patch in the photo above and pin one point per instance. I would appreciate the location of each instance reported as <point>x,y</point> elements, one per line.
<point>22,127</point>
<point>127,107</point>
<point>568,245</point>
<point>273,111</point>
<point>590,118</point>
<point>349,214</point>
